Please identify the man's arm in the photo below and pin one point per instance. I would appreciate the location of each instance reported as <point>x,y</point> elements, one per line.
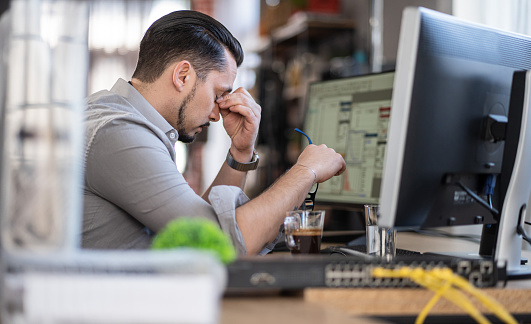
<point>228,176</point>
<point>260,219</point>
<point>241,118</point>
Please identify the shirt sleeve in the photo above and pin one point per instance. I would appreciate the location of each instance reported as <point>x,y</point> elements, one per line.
<point>225,200</point>
<point>129,165</point>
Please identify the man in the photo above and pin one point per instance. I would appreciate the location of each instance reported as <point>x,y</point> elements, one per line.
<point>183,81</point>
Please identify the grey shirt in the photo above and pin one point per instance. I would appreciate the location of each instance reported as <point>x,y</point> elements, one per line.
<point>132,187</point>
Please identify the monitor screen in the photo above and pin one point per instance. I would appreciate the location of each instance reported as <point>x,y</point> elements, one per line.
<point>351,115</point>
<point>452,92</point>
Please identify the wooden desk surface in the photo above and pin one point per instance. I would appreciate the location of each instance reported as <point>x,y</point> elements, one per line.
<point>330,305</point>
<point>282,309</point>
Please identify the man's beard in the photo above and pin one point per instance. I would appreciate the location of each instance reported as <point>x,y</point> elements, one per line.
<point>183,136</point>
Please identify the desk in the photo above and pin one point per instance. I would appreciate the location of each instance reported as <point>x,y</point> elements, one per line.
<point>328,305</point>
<point>282,309</point>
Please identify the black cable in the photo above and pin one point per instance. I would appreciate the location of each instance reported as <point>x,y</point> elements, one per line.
<point>434,232</point>
<point>520,230</point>
<point>479,200</point>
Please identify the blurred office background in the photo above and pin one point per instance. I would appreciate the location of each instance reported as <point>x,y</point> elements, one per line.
<point>56,52</point>
<point>287,43</point>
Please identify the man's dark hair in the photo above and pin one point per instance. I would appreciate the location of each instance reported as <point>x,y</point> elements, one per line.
<point>185,35</point>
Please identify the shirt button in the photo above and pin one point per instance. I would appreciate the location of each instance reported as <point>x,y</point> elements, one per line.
<point>172,135</point>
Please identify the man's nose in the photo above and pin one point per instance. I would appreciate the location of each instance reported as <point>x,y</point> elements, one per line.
<point>214,115</point>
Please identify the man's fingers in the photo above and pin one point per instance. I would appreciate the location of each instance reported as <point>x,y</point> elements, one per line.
<point>244,110</point>
<point>240,97</point>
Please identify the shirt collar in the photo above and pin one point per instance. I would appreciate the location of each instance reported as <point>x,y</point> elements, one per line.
<point>126,90</point>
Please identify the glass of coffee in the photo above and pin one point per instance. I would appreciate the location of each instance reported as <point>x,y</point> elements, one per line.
<point>304,230</point>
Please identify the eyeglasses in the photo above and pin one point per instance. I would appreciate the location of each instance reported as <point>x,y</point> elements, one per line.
<point>309,202</point>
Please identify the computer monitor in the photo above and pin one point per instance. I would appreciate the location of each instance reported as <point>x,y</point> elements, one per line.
<point>351,116</point>
<point>444,163</point>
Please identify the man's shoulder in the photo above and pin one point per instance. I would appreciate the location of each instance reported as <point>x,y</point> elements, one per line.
<point>104,106</point>
<point>108,100</point>
<point>110,115</point>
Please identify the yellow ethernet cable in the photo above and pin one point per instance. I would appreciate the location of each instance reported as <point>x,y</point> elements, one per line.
<point>442,282</point>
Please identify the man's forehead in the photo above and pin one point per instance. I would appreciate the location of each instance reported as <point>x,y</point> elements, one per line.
<point>222,80</point>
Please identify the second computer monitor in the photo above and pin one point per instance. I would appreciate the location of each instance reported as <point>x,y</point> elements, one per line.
<point>351,115</point>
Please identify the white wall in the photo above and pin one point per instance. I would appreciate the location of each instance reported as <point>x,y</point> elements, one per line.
<point>510,15</point>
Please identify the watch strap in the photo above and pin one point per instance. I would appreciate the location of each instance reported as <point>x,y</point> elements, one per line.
<point>243,166</point>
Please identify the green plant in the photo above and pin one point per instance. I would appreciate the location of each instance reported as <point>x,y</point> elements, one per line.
<point>196,233</point>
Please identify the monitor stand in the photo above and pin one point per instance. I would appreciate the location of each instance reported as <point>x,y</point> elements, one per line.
<point>502,242</point>
<point>508,249</point>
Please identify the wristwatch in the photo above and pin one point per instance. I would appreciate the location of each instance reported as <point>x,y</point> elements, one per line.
<point>243,166</point>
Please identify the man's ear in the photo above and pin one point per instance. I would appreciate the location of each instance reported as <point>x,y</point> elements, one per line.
<point>182,74</point>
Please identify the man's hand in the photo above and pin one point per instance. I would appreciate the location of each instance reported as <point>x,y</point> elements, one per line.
<point>241,119</point>
<point>323,160</point>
